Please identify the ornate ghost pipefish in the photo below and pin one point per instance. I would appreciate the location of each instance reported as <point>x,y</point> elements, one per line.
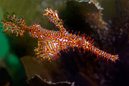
<point>50,43</point>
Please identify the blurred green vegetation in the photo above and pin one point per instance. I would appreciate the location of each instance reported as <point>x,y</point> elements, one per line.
<point>22,8</point>
<point>4,46</point>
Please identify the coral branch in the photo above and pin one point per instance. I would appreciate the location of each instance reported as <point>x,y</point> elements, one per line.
<point>50,43</point>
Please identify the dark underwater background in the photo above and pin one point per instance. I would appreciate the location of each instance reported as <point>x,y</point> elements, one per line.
<point>105,21</point>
